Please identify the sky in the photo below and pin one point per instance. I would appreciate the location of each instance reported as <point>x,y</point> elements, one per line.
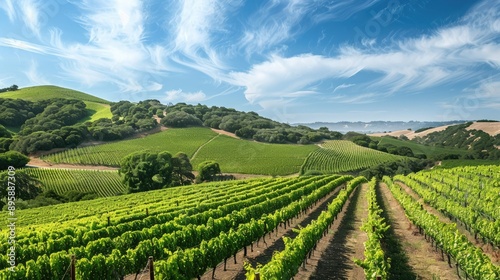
<point>293,61</point>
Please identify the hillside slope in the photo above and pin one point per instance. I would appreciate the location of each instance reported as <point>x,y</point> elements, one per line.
<point>97,107</point>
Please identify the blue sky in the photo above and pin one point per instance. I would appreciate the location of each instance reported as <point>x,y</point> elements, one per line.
<point>293,61</point>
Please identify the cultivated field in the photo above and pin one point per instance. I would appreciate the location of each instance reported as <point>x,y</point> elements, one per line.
<point>342,156</point>
<point>439,223</point>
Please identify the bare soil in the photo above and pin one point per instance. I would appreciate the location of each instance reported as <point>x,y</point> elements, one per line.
<point>220,131</point>
<point>334,256</point>
<point>39,163</point>
<point>411,134</point>
<point>413,257</point>
<point>262,252</point>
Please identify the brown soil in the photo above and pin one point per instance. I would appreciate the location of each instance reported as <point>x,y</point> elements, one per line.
<point>39,163</point>
<point>492,128</point>
<point>220,131</point>
<point>423,259</point>
<point>411,134</point>
<point>262,253</point>
<point>334,256</point>
<point>488,250</point>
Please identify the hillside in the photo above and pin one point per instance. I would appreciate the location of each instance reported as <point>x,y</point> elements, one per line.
<point>96,107</point>
<point>49,91</point>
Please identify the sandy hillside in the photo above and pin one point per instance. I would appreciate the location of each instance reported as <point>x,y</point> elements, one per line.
<point>492,128</point>
<point>411,134</point>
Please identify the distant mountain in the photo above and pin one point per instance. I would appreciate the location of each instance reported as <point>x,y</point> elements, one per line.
<point>377,126</point>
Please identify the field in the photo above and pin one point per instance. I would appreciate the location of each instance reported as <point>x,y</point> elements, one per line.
<point>185,140</point>
<point>342,156</point>
<point>192,231</point>
<point>103,183</point>
<point>249,157</point>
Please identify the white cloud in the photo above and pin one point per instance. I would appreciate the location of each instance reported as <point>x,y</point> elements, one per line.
<point>342,86</point>
<point>29,13</point>
<point>413,64</point>
<point>195,24</point>
<point>8,7</point>
<point>179,95</point>
<point>34,76</point>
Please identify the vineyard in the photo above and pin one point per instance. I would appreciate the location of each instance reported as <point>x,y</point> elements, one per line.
<point>185,140</point>
<point>249,157</point>
<point>102,182</point>
<point>193,231</point>
<point>337,156</point>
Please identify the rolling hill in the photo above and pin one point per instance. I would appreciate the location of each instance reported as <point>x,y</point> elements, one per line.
<point>97,107</point>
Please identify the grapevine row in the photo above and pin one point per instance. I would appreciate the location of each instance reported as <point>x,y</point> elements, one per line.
<point>285,264</point>
<point>470,258</point>
<point>375,264</point>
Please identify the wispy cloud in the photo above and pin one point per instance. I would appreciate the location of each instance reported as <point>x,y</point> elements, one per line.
<point>8,7</point>
<point>30,16</point>
<point>194,26</point>
<point>34,76</point>
<point>179,95</point>
<point>411,64</point>
<point>342,86</point>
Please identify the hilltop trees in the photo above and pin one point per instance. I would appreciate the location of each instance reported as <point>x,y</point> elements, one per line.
<point>11,88</point>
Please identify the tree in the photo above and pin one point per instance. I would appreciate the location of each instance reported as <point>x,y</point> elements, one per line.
<point>143,171</point>
<point>13,158</point>
<point>207,170</point>
<point>182,170</point>
<point>26,186</point>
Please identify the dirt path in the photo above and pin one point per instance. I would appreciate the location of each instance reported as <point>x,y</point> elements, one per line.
<point>416,257</point>
<point>333,258</point>
<point>220,131</point>
<point>262,253</point>
<point>39,163</point>
<point>201,146</point>
<point>493,254</point>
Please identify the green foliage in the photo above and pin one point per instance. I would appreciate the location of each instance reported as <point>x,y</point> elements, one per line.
<point>143,171</point>
<point>4,133</point>
<point>11,88</point>
<point>182,170</point>
<point>207,170</point>
<point>26,187</point>
<point>344,156</point>
<point>180,119</point>
<point>12,158</point>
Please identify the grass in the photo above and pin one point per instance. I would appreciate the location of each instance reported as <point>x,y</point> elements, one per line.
<point>418,148</point>
<point>345,156</point>
<point>103,183</point>
<point>249,157</point>
<point>185,140</point>
<point>97,111</point>
<point>45,92</point>
<point>97,107</point>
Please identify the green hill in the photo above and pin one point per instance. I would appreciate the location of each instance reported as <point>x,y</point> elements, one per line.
<point>97,107</point>
<point>45,92</point>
